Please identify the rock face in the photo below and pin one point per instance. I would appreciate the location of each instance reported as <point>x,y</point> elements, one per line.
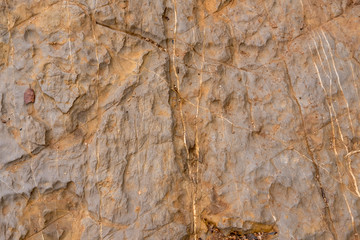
<point>219,119</point>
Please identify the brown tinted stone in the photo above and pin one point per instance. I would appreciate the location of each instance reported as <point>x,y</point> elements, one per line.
<point>29,96</point>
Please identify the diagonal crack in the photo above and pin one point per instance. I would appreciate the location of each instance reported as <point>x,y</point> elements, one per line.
<point>136,35</point>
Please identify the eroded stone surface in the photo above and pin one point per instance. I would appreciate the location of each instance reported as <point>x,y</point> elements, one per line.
<point>152,116</point>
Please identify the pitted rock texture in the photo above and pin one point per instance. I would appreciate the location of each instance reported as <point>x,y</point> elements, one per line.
<point>152,116</point>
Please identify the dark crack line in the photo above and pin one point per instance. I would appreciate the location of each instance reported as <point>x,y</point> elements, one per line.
<point>224,5</point>
<point>315,165</point>
<point>305,33</point>
<point>146,39</point>
<point>50,223</point>
<point>29,155</point>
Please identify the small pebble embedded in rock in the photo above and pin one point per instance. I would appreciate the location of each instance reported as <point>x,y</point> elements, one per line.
<point>29,96</point>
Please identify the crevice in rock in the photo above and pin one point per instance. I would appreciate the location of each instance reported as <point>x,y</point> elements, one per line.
<point>146,39</point>
<point>317,178</point>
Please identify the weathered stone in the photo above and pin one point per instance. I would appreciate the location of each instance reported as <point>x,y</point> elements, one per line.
<point>59,85</point>
<point>216,119</point>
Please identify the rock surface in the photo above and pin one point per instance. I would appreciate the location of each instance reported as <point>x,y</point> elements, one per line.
<point>219,119</point>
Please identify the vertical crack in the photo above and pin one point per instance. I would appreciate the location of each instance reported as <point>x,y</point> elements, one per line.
<point>178,90</point>
<point>347,156</point>
<point>330,88</point>
<point>328,218</point>
<point>177,79</point>
<point>97,85</point>
<point>338,81</point>
<point>250,102</point>
<point>333,135</point>
<point>197,154</point>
